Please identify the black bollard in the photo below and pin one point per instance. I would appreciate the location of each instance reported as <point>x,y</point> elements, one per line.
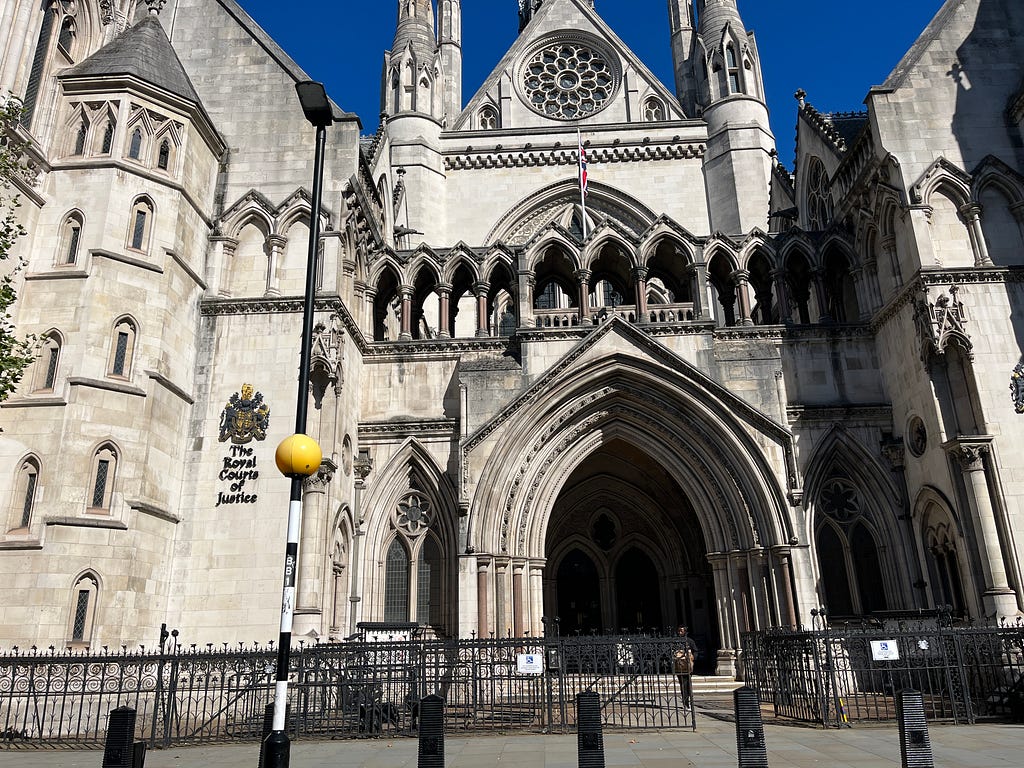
<point>139,755</point>
<point>431,751</point>
<point>589,735</point>
<point>117,749</point>
<point>268,726</point>
<point>751,748</point>
<point>915,745</point>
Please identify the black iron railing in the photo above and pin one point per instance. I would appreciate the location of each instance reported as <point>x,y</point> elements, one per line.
<point>354,689</point>
<point>833,675</point>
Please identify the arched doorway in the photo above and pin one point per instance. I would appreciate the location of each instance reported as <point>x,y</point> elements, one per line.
<point>626,553</point>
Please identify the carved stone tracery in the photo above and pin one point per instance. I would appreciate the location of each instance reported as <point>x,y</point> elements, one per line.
<point>941,322</point>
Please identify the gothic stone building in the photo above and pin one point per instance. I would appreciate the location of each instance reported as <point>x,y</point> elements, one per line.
<point>718,393</point>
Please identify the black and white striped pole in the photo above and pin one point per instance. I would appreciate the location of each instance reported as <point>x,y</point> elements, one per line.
<point>299,456</point>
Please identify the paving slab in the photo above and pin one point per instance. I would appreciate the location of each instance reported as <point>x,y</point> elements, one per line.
<point>712,746</point>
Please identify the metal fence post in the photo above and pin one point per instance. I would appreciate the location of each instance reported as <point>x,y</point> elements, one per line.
<point>751,750</point>
<point>589,734</point>
<point>915,744</point>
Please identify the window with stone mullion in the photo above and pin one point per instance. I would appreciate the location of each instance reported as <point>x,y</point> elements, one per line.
<point>30,495</point>
<point>99,491</point>
<point>81,616</point>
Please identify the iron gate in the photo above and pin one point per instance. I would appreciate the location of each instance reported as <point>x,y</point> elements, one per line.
<point>830,676</point>
<point>355,689</point>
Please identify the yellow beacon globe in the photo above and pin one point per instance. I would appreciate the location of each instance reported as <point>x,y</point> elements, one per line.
<point>298,456</point>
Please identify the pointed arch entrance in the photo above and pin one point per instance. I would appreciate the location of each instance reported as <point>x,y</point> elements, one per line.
<point>626,552</point>
<point>631,415</point>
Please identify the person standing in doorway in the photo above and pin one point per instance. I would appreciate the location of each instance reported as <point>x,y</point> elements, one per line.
<point>682,663</point>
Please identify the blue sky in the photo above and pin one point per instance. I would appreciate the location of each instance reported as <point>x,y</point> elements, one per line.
<point>834,51</point>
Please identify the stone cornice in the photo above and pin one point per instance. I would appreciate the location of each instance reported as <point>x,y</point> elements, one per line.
<point>215,307</point>
<point>186,268</point>
<point>374,431</point>
<point>58,274</point>
<point>533,157</point>
<point>152,510</point>
<point>34,402</point>
<point>109,386</point>
<point>807,414</point>
<point>171,387</point>
<point>925,279</point>
<point>98,253</point>
<point>107,523</point>
<point>440,349</point>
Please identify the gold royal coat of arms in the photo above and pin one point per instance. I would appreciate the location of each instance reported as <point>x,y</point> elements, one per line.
<point>245,418</point>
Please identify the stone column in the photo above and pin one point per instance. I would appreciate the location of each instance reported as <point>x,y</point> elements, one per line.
<point>222,251</point>
<point>724,606</point>
<point>888,244</point>
<point>312,557</point>
<point>481,289</point>
<point>971,455</point>
<point>861,290</point>
<point>405,292</point>
<point>361,469</point>
<point>741,279</point>
<point>275,246</point>
<point>444,298</point>
<point>527,282</point>
<point>782,293</point>
<point>520,598</point>
<point>536,597</point>
<point>370,297</point>
<point>640,286</point>
<point>583,278</point>
<point>502,601</point>
<point>783,571</point>
<point>972,217</point>
<point>818,280</point>
<point>483,626</point>
<point>19,23</point>
<point>699,290</point>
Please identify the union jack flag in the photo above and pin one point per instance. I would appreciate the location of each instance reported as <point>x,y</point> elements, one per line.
<point>583,165</point>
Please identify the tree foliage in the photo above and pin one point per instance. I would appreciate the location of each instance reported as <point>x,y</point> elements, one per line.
<point>16,353</point>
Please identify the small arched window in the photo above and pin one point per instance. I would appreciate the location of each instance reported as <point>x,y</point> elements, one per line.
<point>70,240</point>
<point>163,159</point>
<point>819,195</point>
<point>732,64</point>
<point>428,584</point>
<point>488,119</point>
<point>396,583</point>
<point>66,39</point>
<point>135,144</point>
<point>24,498</point>
<point>80,137</point>
<point>141,224</point>
<point>653,111</point>
<point>123,349</point>
<point>84,599</point>
<point>108,138</point>
<point>104,470</point>
<point>46,365</point>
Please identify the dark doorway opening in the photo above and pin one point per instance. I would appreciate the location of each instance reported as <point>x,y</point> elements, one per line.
<point>579,603</point>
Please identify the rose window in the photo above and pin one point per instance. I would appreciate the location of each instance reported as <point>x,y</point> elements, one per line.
<point>413,513</point>
<point>568,81</point>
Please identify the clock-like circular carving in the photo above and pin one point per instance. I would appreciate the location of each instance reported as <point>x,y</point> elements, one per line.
<point>569,79</point>
<point>917,436</point>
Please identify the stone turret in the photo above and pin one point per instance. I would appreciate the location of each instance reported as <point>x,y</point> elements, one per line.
<point>738,162</point>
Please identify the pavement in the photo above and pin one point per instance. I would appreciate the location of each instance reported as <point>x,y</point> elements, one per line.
<point>712,746</point>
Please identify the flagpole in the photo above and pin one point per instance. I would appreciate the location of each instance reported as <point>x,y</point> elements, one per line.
<point>583,181</point>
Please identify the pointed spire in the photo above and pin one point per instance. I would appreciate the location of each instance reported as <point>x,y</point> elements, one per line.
<point>416,27</point>
<point>714,16</point>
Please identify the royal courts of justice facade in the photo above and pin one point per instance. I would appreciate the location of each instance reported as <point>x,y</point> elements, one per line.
<point>720,393</point>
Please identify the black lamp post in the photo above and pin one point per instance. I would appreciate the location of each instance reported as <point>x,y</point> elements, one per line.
<point>299,456</point>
